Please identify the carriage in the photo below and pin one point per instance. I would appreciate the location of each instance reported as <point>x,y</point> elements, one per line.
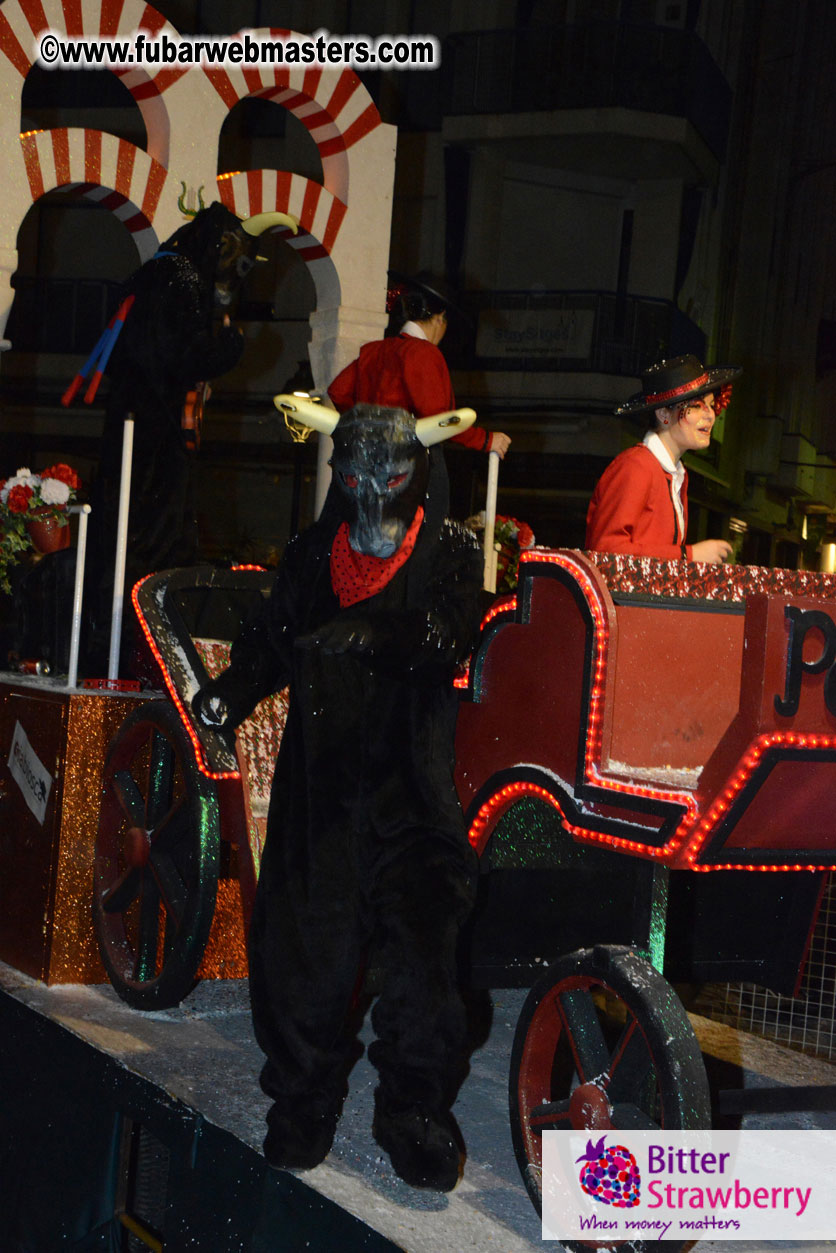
<point>640,822</point>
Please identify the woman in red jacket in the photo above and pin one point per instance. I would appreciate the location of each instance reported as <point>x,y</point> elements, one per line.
<point>640,502</point>
<point>408,370</point>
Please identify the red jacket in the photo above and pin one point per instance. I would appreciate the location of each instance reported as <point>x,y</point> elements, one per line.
<point>407,373</point>
<point>632,510</point>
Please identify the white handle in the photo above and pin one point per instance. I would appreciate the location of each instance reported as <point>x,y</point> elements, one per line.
<point>121,549</point>
<point>78,590</point>
<point>489,582</point>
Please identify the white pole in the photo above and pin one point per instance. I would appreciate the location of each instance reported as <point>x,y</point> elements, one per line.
<point>489,583</point>
<point>121,549</point>
<point>78,591</point>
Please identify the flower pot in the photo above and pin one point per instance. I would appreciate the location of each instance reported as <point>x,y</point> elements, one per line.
<point>48,533</point>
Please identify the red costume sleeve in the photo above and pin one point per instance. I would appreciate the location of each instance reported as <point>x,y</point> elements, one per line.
<point>344,388</point>
<point>629,514</point>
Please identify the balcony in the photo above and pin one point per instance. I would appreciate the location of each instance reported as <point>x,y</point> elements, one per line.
<point>61,315</point>
<point>587,331</point>
<point>595,66</point>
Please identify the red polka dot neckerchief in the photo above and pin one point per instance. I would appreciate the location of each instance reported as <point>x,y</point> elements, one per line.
<point>355,576</point>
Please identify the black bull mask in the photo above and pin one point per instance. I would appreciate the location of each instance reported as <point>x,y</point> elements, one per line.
<point>381,471</point>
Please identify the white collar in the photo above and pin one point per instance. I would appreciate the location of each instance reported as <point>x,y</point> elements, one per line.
<point>413,329</point>
<point>676,470</point>
<point>653,443</point>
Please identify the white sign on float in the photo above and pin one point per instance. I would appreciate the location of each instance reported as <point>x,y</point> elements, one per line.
<point>29,773</point>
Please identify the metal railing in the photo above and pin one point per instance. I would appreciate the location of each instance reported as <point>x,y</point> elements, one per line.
<point>600,331</point>
<point>59,314</point>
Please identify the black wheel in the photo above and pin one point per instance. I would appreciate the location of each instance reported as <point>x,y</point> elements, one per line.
<point>157,854</point>
<point>603,1042</point>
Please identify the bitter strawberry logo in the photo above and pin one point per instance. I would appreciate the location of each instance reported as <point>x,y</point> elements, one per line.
<point>610,1175</point>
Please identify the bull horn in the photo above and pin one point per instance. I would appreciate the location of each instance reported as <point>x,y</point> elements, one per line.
<point>443,425</point>
<point>261,222</point>
<point>306,411</point>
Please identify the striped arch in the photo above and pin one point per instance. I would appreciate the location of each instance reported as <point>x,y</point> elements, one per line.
<point>320,216</point>
<point>21,21</point>
<point>119,176</point>
<point>333,106</point>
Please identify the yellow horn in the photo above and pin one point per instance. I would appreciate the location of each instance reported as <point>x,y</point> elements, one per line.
<point>261,222</point>
<point>443,425</point>
<point>308,412</point>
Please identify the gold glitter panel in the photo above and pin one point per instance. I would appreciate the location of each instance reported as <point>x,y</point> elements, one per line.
<point>225,956</point>
<point>93,720</point>
<point>46,868</point>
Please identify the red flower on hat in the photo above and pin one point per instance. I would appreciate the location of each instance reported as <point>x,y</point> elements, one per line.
<point>393,293</point>
<point>721,400</point>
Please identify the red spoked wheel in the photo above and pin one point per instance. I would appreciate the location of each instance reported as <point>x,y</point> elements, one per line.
<point>603,1043</point>
<point>157,860</point>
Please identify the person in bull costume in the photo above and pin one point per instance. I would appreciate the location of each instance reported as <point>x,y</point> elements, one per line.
<point>372,609</point>
<point>170,334</point>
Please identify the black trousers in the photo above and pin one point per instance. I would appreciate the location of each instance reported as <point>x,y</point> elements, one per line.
<point>311,929</point>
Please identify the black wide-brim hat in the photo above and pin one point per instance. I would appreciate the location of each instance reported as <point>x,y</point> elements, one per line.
<point>669,383</point>
<point>431,285</point>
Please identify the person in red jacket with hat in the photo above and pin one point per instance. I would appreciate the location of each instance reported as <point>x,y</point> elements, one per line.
<point>640,502</point>
<point>407,370</point>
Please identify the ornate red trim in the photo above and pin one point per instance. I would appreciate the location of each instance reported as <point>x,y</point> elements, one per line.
<point>659,397</point>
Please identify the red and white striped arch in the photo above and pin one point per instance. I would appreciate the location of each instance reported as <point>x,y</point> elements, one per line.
<point>116,174</point>
<point>319,215</point>
<point>21,21</point>
<point>333,106</point>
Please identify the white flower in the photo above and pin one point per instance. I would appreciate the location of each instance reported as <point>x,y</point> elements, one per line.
<point>54,492</point>
<point>24,476</point>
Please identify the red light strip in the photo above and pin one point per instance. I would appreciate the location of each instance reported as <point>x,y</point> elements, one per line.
<point>200,759</point>
<point>771,739</point>
<point>508,605</point>
<point>592,753</point>
<point>501,800</point>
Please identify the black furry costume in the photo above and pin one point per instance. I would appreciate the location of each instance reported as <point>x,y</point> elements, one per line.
<point>167,345</point>
<point>366,840</point>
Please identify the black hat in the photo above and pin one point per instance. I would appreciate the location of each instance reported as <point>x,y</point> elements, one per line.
<point>436,289</point>
<point>673,381</point>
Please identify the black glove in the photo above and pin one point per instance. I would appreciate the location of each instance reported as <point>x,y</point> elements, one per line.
<point>340,635</point>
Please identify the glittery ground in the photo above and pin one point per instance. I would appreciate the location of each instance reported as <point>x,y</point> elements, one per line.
<point>203,1053</point>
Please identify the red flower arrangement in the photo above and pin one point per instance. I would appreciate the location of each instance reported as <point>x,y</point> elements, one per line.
<point>26,498</point>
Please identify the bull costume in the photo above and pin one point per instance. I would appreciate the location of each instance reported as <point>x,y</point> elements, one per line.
<point>372,609</point>
<point>169,344</point>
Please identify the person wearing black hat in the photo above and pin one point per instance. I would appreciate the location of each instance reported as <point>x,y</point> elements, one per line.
<point>407,370</point>
<point>640,502</point>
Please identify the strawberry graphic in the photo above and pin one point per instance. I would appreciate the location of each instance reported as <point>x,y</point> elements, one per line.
<point>610,1174</point>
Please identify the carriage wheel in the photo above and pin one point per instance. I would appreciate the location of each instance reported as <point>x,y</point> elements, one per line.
<point>603,1042</point>
<point>156,867</point>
